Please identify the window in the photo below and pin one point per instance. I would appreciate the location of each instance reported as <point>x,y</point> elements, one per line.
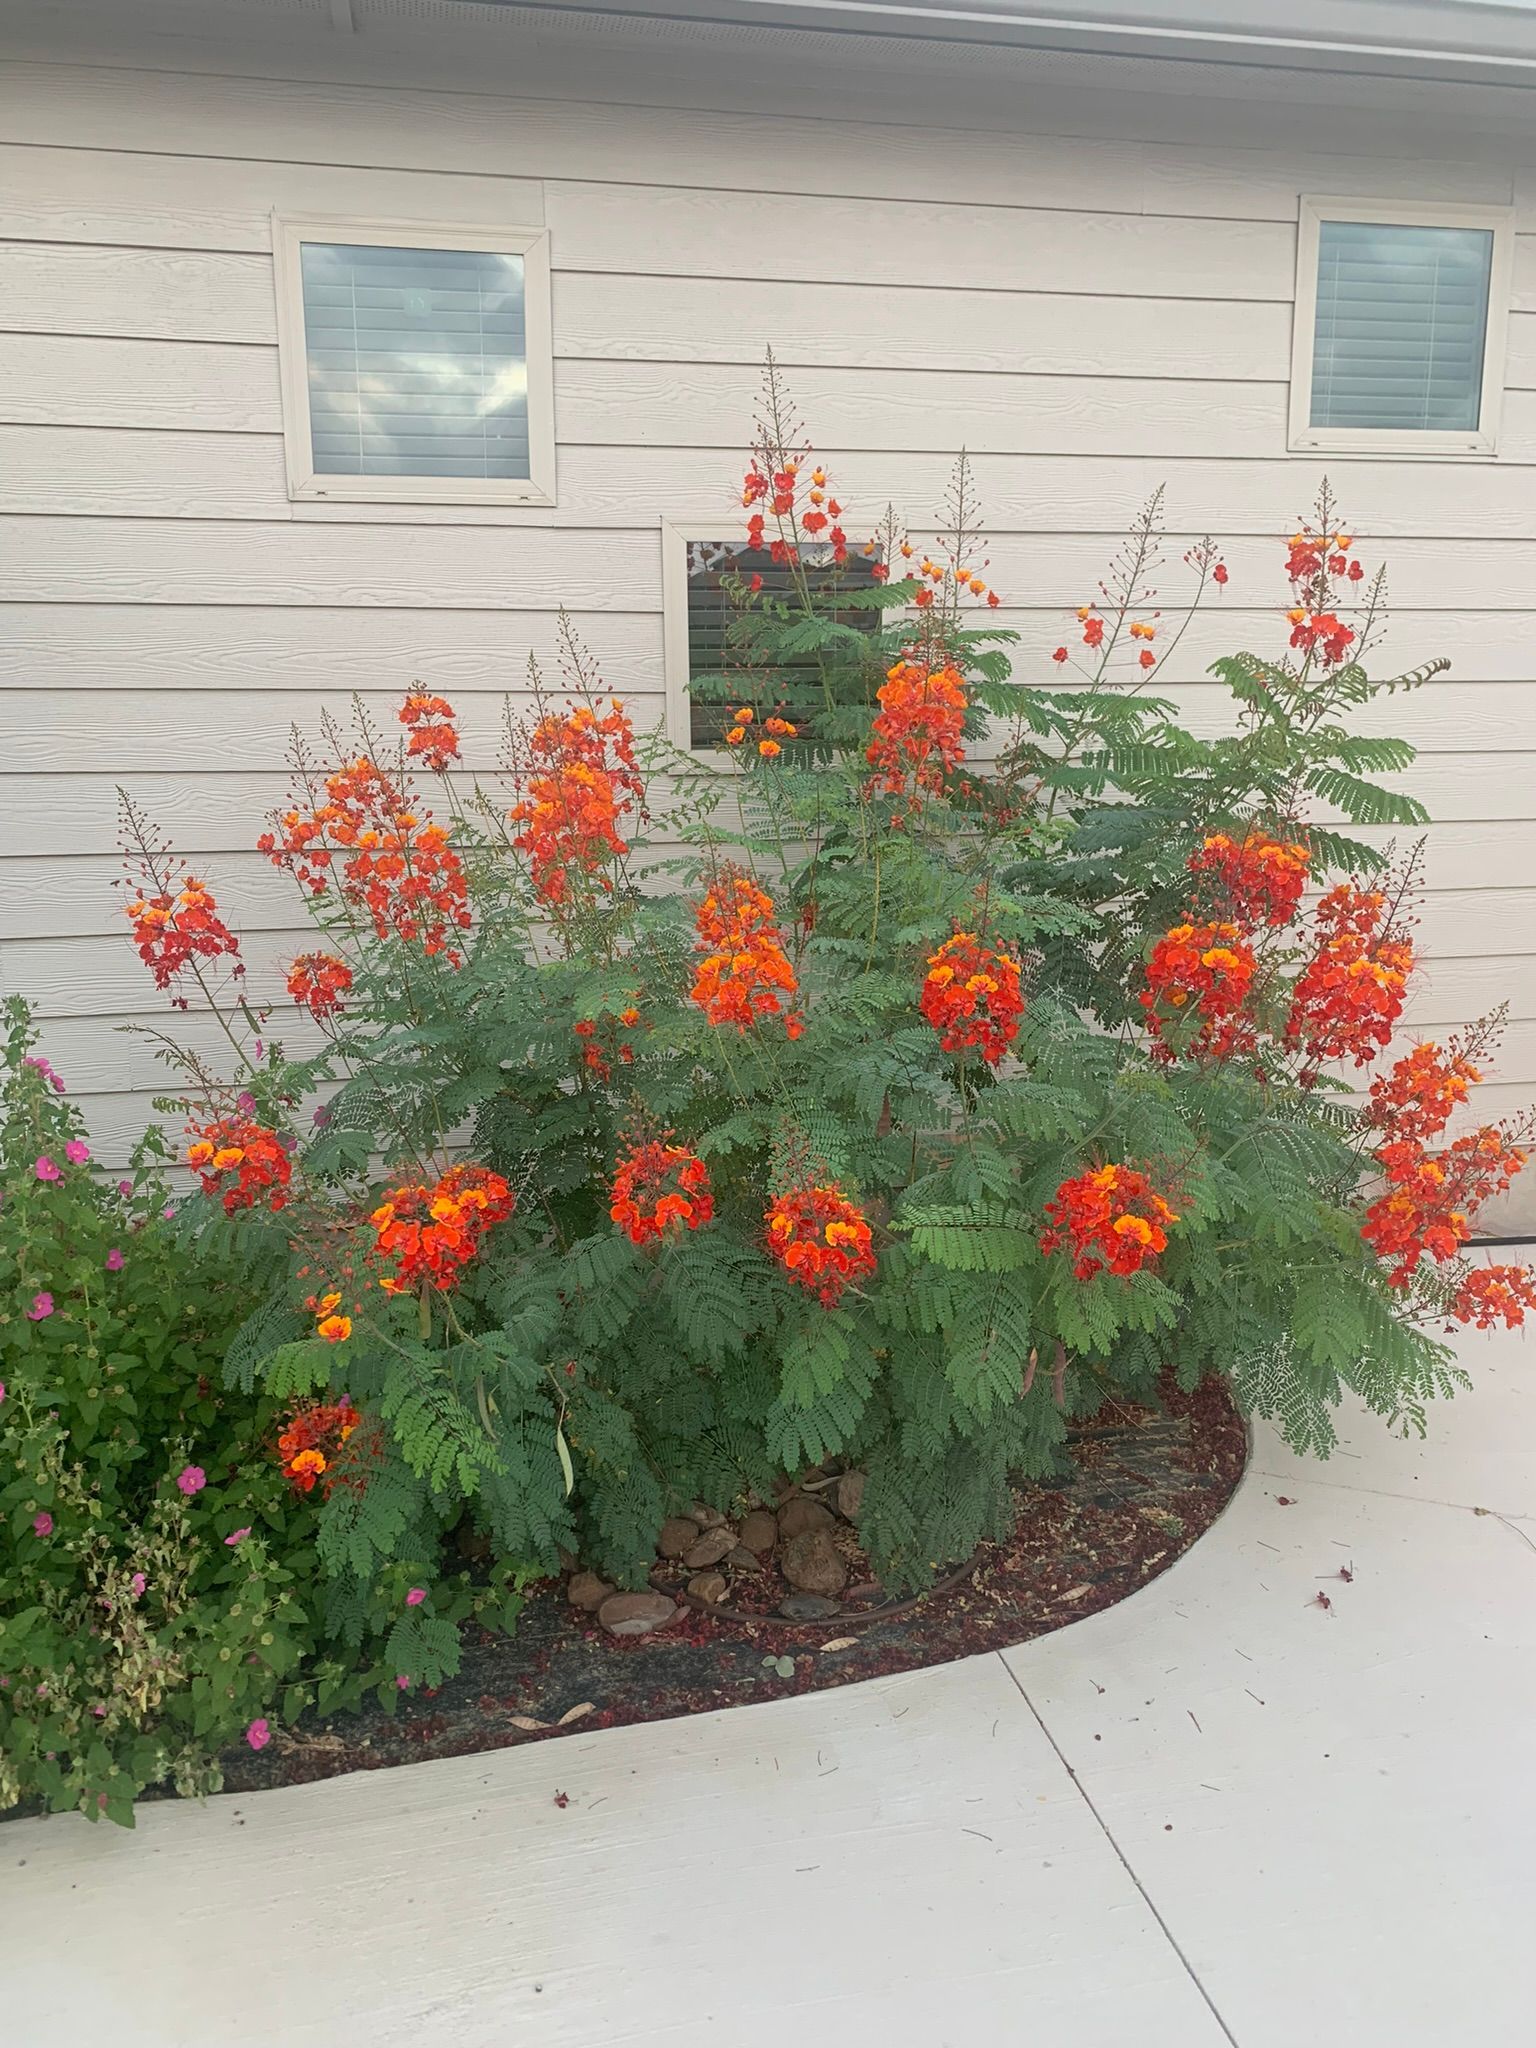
<point>1399,335</point>
<point>697,610</point>
<point>415,363</point>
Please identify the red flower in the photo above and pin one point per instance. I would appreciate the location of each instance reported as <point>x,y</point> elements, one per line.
<point>1219,573</point>
<point>583,783</point>
<point>821,1239</point>
<point>1060,654</point>
<point>746,973</point>
<point>430,1234</point>
<point>1430,1202</point>
<point>1261,879</point>
<point>1111,1218</point>
<point>1200,971</point>
<point>659,1186</point>
<point>250,1152</point>
<point>172,930</point>
<point>918,735</point>
<point>971,997</point>
<point>1490,1294</point>
<point>434,740</point>
<point>319,981</point>
<point>1147,658</point>
<point>1351,992</point>
<point>393,865</point>
<point>1416,1098</point>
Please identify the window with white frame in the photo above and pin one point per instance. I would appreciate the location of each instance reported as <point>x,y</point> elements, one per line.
<point>415,362</point>
<point>697,570</point>
<point>1400,317</point>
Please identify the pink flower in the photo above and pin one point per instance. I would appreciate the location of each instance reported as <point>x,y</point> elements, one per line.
<point>42,1307</point>
<point>258,1735</point>
<point>191,1479</point>
<point>321,1117</point>
<point>138,1582</point>
<point>42,1523</point>
<point>114,1260</point>
<point>58,1083</point>
<point>35,1059</point>
<point>2,1390</point>
<point>76,1152</point>
<point>46,1170</point>
<point>415,1596</point>
<point>239,1536</point>
<point>169,1212</point>
<point>403,1682</point>
<point>125,1187</point>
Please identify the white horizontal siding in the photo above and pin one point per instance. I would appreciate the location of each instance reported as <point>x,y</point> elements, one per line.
<point>1089,316</point>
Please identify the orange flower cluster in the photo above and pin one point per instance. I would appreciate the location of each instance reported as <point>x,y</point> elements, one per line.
<point>428,1234</point>
<point>308,1447</point>
<point>170,931</point>
<point>821,1239</point>
<point>399,870</point>
<point>1202,970</point>
<point>1431,1201</point>
<point>1416,1099</point>
<point>319,981</point>
<point>965,579</point>
<point>1261,879</point>
<point>1351,992</point>
<point>918,735</point>
<point>254,1155</point>
<point>746,974</point>
<point>1491,1294</point>
<point>601,1043</point>
<point>330,1324</point>
<point>583,783</point>
<point>778,487</point>
<point>971,996</point>
<point>434,736</point>
<point>659,1185</point>
<point>1314,562</point>
<point>1320,633</point>
<point>775,729</point>
<point>1111,1218</point>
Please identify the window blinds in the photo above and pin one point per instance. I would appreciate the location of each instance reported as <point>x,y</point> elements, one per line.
<point>710,613</point>
<point>417,361</point>
<point>1402,318</point>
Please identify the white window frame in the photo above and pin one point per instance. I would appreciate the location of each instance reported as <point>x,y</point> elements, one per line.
<point>1304,438</point>
<point>289,231</point>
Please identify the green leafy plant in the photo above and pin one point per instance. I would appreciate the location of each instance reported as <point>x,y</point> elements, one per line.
<point>945,1054</point>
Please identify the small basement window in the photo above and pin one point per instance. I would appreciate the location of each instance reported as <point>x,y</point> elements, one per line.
<point>697,613</point>
<point>1398,344</point>
<point>416,363</point>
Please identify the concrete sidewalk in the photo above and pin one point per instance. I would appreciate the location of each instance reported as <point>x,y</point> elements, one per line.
<point>1218,1813</point>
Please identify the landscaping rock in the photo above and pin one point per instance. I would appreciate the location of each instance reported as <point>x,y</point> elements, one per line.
<point>808,1607</point>
<point>678,1535</point>
<point>709,1548</point>
<point>759,1531</point>
<point>800,1514</point>
<point>850,1495</point>
<point>811,1562</point>
<point>587,1591</point>
<point>637,1614</point>
<point>706,1518</point>
<point>743,1560</point>
<point>708,1586</point>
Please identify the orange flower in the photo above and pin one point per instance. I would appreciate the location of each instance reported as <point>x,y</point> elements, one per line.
<point>1110,1219</point>
<point>434,739</point>
<point>334,1329</point>
<point>1199,971</point>
<point>255,1155</point>
<point>1261,879</point>
<point>821,1239</point>
<point>171,930</point>
<point>582,785</point>
<point>1431,1201</point>
<point>746,973</point>
<point>309,1446</point>
<point>769,749</point>
<point>659,1186</point>
<point>971,997</point>
<point>1417,1097</point>
<point>394,866</point>
<point>429,1234</point>
<point>735,736</point>
<point>319,981</point>
<point>1351,992</point>
<point>917,738</point>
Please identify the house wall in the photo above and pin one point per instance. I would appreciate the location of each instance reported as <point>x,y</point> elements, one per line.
<point>1091,313</point>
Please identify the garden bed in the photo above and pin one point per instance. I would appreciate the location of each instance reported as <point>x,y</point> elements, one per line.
<point>1147,1484</point>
